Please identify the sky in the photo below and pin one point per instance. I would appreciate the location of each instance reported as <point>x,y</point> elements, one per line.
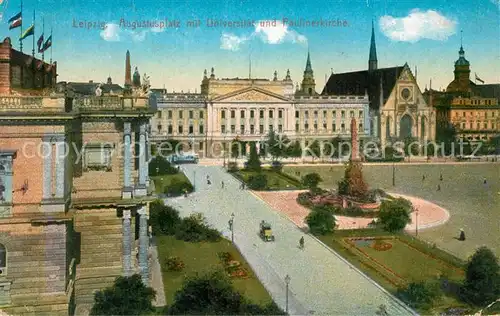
<point>90,38</point>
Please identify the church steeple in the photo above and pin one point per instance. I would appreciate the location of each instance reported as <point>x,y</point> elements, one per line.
<point>308,82</point>
<point>461,83</point>
<point>372,60</point>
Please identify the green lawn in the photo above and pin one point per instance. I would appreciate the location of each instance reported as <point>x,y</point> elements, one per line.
<point>275,180</point>
<point>202,257</point>
<point>164,181</point>
<point>396,267</point>
<point>473,206</point>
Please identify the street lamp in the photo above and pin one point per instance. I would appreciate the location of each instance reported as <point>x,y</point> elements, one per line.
<point>194,180</point>
<point>231,227</point>
<point>393,173</point>
<point>416,222</point>
<point>287,282</point>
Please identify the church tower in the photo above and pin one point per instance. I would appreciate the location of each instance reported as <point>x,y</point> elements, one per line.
<point>372,60</point>
<point>308,83</point>
<point>461,83</point>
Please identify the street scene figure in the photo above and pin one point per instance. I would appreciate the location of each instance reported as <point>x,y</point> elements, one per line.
<point>301,242</point>
<point>462,235</point>
<point>439,187</point>
<point>423,177</point>
<point>222,184</point>
<point>441,177</point>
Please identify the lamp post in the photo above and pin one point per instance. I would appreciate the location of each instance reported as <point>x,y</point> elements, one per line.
<point>287,282</point>
<point>194,180</point>
<point>231,227</point>
<point>224,149</point>
<point>416,222</point>
<point>393,173</point>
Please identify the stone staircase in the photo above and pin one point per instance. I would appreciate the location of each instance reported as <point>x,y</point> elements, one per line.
<point>100,252</point>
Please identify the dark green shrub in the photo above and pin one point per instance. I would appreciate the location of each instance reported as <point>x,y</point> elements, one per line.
<point>192,230</point>
<point>394,215</point>
<point>164,219</point>
<point>420,295</point>
<point>257,182</point>
<point>311,180</point>
<point>253,162</point>
<point>159,166</point>
<point>321,221</point>
<point>177,187</point>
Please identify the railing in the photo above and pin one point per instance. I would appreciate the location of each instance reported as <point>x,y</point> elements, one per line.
<point>108,102</point>
<point>21,102</point>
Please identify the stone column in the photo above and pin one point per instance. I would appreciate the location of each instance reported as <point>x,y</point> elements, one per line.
<point>127,155</point>
<point>143,245</point>
<point>60,159</point>
<point>47,168</point>
<point>143,167</point>
<point>127,244</point>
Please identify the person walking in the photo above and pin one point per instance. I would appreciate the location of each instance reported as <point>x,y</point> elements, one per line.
<point>301,242</point>
<point>222,184</point>
<point>439,187</point>
<point>485,182</point>
<point>440,177</point>
<point>423,177</point>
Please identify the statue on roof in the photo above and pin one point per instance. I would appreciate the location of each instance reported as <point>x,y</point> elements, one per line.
<point>146,86</point>
<point>136,79</point>
<point>98,91</point>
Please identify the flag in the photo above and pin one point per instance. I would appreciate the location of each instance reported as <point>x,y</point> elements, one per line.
<point>29,32</point>
<point>39,43</point>
<point>47,44</point>
<point>15,21</point>
<point>479,79</point>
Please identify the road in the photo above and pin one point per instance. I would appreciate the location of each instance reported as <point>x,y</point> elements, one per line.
<point>321,282</point>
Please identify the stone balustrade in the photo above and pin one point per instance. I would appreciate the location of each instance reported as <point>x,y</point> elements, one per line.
<point>36,103</point>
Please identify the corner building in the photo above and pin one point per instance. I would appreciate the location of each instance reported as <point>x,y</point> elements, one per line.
<point>73,202</point>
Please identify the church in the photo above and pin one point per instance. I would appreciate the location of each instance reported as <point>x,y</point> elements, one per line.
<point>397,108</point>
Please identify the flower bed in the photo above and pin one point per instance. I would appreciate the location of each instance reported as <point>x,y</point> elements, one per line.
<point>380,245</point>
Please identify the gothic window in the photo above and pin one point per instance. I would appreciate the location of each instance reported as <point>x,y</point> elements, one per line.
<point>3,259</point>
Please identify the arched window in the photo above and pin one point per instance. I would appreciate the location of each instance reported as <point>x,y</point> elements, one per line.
<point>3,259</point>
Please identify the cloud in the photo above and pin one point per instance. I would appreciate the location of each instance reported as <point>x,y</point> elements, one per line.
<point>111,32</point>
<point>114,33</point>
<point>268,31</point>
<point>418,25</point>
<point>231,42</point>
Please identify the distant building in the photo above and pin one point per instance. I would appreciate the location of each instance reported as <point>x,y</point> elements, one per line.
<point>397,107</point>
<point>248,109</point>
<point>474,110</point>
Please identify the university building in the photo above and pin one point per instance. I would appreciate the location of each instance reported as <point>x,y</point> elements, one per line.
<point>248,108</point>
<point>397,109</point>
<point>73,200</point>
<point>474,110</point>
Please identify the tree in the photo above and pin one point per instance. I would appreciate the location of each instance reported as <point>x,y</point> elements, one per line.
<point>294,150</point>
<point>311,180</point>
<point>159,165</point>
<point>164,219</point>
<point>482,277</point>
<point>420,295</point>
<point>238,148</point>
<point>213,294</point>
<point>321,220</point>
<point>253,162</point>
<point>394,215</point>
<point>277,145</point>
<point>127,296</point>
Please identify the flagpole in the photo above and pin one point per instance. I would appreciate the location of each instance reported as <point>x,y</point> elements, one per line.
<point>43,33</point>
<point>20,40</point>
<point>33,51</point>
<point>51,41</point>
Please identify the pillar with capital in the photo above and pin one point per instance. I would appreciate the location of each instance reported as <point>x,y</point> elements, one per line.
<point>127,244</point>
<point>143,245</point>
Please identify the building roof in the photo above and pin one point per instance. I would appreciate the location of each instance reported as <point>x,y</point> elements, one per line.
<point>360,82</point>
<point>88,88</point>
<point>487,90</point>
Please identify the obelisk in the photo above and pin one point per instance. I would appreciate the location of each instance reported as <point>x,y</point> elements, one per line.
<point>354,141</point>
<point>128,74</point>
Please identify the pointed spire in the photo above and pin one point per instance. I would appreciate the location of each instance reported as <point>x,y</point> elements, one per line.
<point>275,76</point>
<point>212,75</point>
<point>308,63</point>
<point>128,72</point>
<point>372,60</point>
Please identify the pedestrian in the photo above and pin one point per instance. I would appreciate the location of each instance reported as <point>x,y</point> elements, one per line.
<point>462,235</point>
<point>439,187</point>
<point>301,242</point>
<point>485,182</point>
<point>423,177</point>
<point>222,184</point>
<point>440,177</point>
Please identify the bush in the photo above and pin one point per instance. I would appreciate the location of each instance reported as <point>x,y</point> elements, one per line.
<point>232,166</point>
<point>482,278</point>
<point>127,296</point>
<point>420,295</point>
<point>174,264</point>
<point>178,187</point>
<point>394,215</point>
<point>311,180</point>
<point>164,219</point>
<point>304,199</point>
<point>257,182</point>
<point>321,220</point>
<point>159,166</point>
<point>192,230</point>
